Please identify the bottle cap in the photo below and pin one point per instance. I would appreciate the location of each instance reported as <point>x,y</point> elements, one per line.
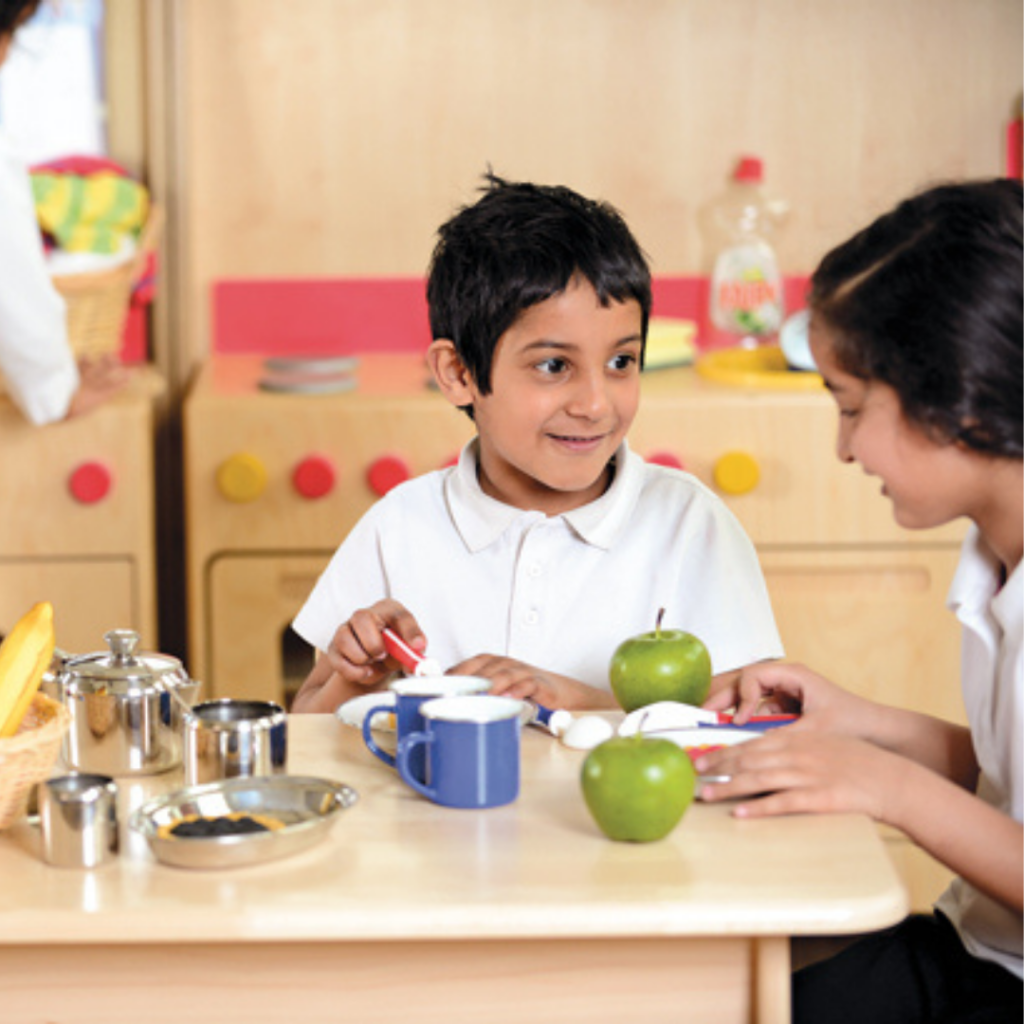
<point>749,168</point>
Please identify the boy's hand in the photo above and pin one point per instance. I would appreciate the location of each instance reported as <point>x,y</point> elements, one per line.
<point>357,651</point>
<point>356,661</point>
<point>511,678</point>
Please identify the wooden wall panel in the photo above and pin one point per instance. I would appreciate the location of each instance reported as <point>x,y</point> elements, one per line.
<point>331,137</point>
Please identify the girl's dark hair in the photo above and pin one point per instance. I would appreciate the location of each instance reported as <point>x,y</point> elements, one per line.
<point>928,300</point>
<point>518,245</point>
<point>14,14</point>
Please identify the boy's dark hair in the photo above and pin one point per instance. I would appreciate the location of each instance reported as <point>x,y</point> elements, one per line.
<point>14,13</point>
<point>518,245</point>
<point>928,299</point>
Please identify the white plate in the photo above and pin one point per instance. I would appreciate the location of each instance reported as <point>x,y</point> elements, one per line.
<point>311,364</point>
<point>307,384</point>
<point>353,711</point>
<point>708,736</point>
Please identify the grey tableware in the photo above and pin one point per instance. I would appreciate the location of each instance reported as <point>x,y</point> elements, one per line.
<point>78,820</point>
<point>226,739</point>
<point>126,708</point>
<point>303,809</point>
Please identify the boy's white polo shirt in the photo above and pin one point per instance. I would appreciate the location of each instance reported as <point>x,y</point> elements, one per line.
<point>557,592</point>
<point>992,669</point>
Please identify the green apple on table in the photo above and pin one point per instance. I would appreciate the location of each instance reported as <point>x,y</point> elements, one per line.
<point>668,664</point>
<point>638,787</point>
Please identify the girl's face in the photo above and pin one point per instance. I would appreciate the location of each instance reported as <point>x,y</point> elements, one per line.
<point>565,384</point>
<point>929,482</point>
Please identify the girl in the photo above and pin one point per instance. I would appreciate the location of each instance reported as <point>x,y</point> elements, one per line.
<point>916,329</point>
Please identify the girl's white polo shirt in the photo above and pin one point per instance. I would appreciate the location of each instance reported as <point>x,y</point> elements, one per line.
<point>557,592</point>
<point>992,672</point>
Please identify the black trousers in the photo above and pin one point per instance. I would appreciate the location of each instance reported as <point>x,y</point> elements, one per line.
<point>914,973</point>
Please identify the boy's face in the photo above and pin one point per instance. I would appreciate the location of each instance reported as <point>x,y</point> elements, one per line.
<point>565,384</point>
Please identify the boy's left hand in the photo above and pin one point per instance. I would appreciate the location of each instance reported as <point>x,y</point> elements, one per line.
<point>511,678</point>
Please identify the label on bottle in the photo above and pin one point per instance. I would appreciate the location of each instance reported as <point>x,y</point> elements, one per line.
<point>746,290</point>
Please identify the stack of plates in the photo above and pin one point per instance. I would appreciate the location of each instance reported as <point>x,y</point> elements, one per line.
<point>309,375</point>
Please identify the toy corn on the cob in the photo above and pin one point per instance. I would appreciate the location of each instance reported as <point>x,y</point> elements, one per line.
<point>25,654</point>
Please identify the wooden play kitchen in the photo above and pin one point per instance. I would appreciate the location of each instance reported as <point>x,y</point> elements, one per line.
<point>274,481</point>
<point>78,511</point>
<point>519,912</point>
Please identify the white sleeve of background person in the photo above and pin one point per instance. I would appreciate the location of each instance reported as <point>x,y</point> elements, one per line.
<point>37,364</point>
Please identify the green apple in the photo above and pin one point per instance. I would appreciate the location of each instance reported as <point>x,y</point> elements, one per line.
<point>638,787</point>
<point>668,664</point>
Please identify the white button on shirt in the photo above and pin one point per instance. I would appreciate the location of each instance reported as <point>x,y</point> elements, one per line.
<point>558,592</point>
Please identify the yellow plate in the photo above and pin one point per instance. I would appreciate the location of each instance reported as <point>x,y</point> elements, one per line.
<point>756,368</point>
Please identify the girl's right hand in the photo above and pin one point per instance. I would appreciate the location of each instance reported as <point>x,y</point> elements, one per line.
<point>790,688</point>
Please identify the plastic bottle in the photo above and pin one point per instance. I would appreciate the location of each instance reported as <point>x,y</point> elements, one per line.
<point>747,304</point>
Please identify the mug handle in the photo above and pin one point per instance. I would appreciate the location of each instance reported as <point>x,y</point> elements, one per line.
<point>405,746</point>
<point>380,709</point>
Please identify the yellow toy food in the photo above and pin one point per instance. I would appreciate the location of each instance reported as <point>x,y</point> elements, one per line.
<point>25,655</point>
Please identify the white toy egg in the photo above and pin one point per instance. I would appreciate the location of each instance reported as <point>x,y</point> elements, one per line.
<point>587,732</point>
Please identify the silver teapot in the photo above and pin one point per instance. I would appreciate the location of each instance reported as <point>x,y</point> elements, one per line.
<point>127,707</point>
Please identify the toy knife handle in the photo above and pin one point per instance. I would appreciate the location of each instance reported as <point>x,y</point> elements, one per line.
<point>400,650</point>
<point>758,722</point>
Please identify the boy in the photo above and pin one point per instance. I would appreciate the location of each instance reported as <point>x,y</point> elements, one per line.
<point>550,542</point>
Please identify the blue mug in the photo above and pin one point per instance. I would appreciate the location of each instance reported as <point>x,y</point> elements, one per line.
<point>410,693</point>
<point>472,751</point>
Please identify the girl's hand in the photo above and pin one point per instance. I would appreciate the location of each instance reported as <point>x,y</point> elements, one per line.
<point>511,678</point>
<point>794,772</point>
<point>781,688</point>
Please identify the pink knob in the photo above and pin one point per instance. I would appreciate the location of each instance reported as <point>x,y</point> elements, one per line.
<point>90,482</point>
<point>386,472</point>
<point>666,459</point>
<point>313,477</point>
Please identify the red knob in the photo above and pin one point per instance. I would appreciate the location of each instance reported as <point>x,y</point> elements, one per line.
<point>666,459</point>
<point>90,482</point>
<point>386,472</point>
<point>313,477</point>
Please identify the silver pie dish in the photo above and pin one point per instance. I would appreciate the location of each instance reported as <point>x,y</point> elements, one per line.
<point>306,808</point>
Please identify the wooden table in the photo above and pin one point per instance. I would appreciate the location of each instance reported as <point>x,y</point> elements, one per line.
<point>411,911</point>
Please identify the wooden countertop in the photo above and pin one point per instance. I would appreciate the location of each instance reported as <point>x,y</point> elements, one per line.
<point>397,867</point>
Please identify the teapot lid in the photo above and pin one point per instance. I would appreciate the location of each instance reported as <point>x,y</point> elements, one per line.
<point>123,667</point>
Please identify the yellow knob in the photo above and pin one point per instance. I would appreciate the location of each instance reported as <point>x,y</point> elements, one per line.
<point>241,477</point>
<point>736,473</point>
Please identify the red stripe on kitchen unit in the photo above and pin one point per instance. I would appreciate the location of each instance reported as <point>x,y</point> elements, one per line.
<point>342,316</point>
<point>330,316</point>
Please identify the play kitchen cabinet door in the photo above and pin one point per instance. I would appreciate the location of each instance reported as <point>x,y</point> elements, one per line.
<point>251,650</point>
<point>87,596</point>
<point>76,503</point>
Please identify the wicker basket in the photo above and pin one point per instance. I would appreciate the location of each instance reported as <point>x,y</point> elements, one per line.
<point>97,303</point>
<point>28,757</point>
